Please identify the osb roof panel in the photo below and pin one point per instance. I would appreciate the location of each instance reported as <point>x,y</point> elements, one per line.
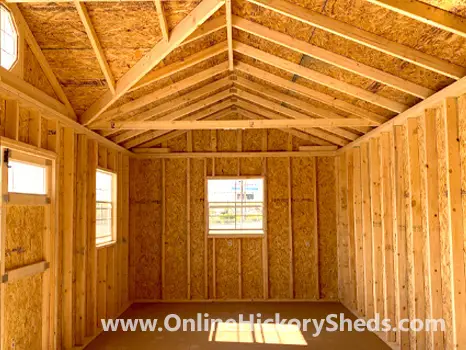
<point>358,81</point>
<point>175,11</point>
<point>130,116</point>
<point>63,40</point>
<point>398,28</point>
<point>126,31</point>
<point>458,7</point>
<point>189,49</point>
<point>267,46</point>
<point>312,85</point>
<point>82,97</point>
<point>380,60</point>
<point>55,25</point>
<point>294,95</point>
<point>271,19</point>
<point>324,68</point>
<point>339,45</point>
<point>172,79</point>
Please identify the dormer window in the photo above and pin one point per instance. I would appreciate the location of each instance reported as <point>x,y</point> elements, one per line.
<point>8,39</point>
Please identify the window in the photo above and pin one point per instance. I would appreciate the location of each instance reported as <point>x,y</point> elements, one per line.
<point>236,206</point>
<point>8,39</point>
<point>105,207</point>
<point>26,178</point>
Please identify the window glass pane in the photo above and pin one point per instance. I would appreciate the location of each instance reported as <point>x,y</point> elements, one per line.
<point>235,205</point>
<point>26,178</point>
<point>254,190</point>
<point>104,222</point>
<point>103,186</point>
<point>223,191</point>
<point>8,39</point>
<point>222,218</point>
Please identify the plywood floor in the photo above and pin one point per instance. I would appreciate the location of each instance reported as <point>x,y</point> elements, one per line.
<point>228,338</point>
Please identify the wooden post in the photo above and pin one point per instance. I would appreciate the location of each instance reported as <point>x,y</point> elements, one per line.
<point>68,193</point>
<point>81,240</point>
<point>188,211</point>
<point>367,232</point>
<point>454,212</point>
<point>91,265</point>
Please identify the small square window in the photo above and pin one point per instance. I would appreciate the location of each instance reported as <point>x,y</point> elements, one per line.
<point>26,178</point>
<point>236,206</point>
<point>105,207</point>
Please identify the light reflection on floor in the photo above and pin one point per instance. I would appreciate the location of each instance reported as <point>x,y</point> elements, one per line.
<point>269,333</point>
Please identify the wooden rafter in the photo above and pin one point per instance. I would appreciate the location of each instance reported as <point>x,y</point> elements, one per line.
<point>205,29</point>
<point>254,154</point>
<point>186,27</point>
<point>426,13</point>
<point>165,92</point>
<point>162,19</point>
<point>177,114</point>
<point>35,48</point>
<point>243,111</point>
<point>319,78</point>
<point>176,67</point>
<point>309,93</point>
<point>291,101</point>
<point>234,124</point>
<point>325,138</point>
<point>331,58</point>
<point>94,40</point>
<point>150,135</point>
<point>362,37</point>
<point>291,113</point>
<point>229,33</point>
<point>297,133</point>
<point>177,102</point>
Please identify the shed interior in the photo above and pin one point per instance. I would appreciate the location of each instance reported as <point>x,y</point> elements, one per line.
<point>351,115</point>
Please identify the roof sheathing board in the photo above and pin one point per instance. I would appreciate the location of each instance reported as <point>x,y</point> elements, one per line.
<point>324,68</point>
<point>314,86</point>
<point>60,34</point>
<point>126,31</point>
<point>398,28</point>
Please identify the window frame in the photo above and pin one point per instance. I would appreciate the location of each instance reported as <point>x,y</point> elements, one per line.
<point>27,198</point>
<point>236,233</point>
<point>114,204</point>
<point>16,27</point>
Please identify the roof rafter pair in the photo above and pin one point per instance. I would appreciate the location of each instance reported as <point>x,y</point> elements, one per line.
<point>273,110</point>
<point>185,32</point>
<point>361,37</point>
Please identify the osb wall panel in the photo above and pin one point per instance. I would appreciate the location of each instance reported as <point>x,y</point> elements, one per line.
<point>146,228</point>
<point>226,268</point>
<point>278,235</point>
<point>24,237</point>
<point>251,249</point>
<point>328,269</point>
<point>175,244</point>
<point>304,227</point>
<point>23,314</point>
<point>422,166</point>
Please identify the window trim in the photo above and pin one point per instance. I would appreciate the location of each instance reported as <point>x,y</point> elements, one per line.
<point>18,43</point>
<point>114,208</point>
<point>236,233</point>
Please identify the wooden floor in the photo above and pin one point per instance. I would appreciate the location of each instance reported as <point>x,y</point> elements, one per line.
<point>228,338</point>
